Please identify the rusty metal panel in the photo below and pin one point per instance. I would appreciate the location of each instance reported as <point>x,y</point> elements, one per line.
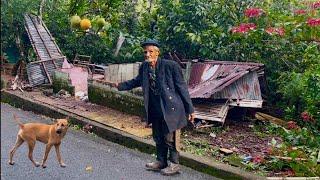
<point>196,73</point>
<point>215,79</point>
<point>246,87</point>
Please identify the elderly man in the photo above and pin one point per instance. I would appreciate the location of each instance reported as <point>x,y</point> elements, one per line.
<point>167,103</point>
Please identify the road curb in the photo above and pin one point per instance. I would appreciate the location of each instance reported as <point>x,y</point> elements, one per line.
<point>204,165</point>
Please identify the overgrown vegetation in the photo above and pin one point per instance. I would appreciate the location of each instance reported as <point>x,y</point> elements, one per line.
<point>294,151</point>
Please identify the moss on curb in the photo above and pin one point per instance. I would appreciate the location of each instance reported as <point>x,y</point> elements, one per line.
<point>122,101</point>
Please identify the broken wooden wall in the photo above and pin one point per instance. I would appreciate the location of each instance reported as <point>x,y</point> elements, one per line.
<point>121,72</point>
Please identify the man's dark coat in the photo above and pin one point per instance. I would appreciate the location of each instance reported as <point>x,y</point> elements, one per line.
<point>174,96</point>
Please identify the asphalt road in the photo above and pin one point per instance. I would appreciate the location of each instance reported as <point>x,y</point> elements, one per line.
<point>86,156</point>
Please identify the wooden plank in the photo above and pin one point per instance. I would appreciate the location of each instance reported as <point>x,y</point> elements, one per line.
<point>111,67</point>
<point>47,74</point>
<point>125,69</point>
<point>265,117</point>
<point>128,71</point>
<point>107,73</point>
<point>223,111</point>
<point>56,58</point>
<point>135,69</point>
<point>209,118</point>
<point>114,74</point>
<point>177,139</point>
<point>212,112</point>
<point>120,73</point>
<point>206,113</point>
<point>290,158</point>
<point>247,103</point>
<point>112,70</point>
<point>226,151</point>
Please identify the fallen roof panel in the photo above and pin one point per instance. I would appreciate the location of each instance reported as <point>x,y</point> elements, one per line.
<point>210,77</point>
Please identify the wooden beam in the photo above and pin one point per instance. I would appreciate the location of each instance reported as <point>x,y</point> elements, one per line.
<point>47,74</point>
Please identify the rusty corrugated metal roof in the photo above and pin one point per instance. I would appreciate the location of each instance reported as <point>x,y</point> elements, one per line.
<point>225,80</point>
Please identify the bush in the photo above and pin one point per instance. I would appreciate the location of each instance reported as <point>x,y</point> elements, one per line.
<point>301,89</point>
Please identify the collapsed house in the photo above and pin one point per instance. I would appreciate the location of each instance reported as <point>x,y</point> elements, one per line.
<point>214,86</point>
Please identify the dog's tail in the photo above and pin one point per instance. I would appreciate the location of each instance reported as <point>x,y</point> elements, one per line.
<point>17,120</point>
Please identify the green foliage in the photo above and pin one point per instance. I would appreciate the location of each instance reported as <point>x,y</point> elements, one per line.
<point>12,22</point>
<point>296,143</point>
<point>198,147</point>
<point>201,29</point>
<point>301,88</point>
<point>295,137</point>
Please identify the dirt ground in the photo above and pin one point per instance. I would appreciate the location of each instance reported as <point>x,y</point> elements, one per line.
<point>238,136</point>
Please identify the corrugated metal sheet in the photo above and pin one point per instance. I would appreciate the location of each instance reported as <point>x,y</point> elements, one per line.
<point>41,40</point>
<point>48,53</point>
<point>246,87</point>
<point>212,111</point>
<point>225,80</point>
<point>41,72</point>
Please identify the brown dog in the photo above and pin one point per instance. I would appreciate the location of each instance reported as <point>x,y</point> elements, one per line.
<point>51,135</point>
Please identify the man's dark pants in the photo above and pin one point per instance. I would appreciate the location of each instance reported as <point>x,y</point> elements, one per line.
<point>165,142</point>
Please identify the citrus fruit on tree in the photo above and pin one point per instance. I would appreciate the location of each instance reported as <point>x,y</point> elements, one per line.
<point>85,24</point>
<point>101,22</point>
<point>75,21</point>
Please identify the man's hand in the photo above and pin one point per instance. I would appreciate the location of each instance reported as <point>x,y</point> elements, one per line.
<point>148,125</point>
<point>191,118</point>
<point>116,85</point>
<point>113,84</point>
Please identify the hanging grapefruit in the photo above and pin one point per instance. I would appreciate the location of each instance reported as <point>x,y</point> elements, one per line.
<point>101,22</point>
<point>75,21</point>
<point>85,24</point>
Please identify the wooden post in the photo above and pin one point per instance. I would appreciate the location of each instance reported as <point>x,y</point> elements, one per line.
<point>188,72</point>
<point>177,139</point>
<point>47,74</point>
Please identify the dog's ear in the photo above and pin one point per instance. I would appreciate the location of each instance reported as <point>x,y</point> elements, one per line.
<point>67,118</point>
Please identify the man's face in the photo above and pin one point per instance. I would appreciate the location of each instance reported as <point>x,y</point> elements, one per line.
<point>151,53</point>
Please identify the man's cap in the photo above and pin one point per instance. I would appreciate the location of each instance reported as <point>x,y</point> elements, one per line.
<point>152,42</point>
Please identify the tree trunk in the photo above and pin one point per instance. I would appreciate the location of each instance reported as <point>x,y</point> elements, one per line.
<point>119,44</point>
<point>19,44</point>
<point>42,3</point>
